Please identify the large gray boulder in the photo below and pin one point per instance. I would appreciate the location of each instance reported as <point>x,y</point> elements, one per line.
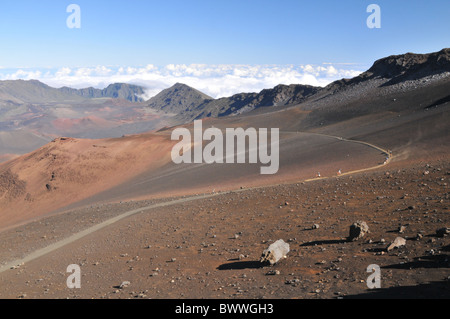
<point>275,252</point>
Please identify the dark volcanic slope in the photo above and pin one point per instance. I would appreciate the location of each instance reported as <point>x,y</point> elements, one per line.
<point>400,68</point>
<point>411,66</point>
<point>179,99</point>
<point>393,86</point>
<point>281,95</point>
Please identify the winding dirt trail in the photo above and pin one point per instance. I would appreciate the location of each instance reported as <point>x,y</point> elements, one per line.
<point>389,155</point>
<point>386,152</point>
<point>44,251</point>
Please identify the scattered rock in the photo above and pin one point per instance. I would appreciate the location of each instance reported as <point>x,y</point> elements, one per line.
<point>358,230</point>
<point>275,252</point>
<point>315,226</point>
<point>292,282</point>
<point>124,284</point>
<point>273,273</point>
<point>401,229</point>
<point>397,243</point>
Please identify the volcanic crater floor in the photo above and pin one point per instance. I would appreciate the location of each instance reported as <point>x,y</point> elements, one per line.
<point>211,247</point>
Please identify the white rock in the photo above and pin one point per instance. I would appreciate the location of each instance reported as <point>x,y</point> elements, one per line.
<point>275,252</point>
<point>398,242</point>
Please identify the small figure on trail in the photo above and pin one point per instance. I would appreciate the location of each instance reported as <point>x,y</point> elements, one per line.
<point>318,174</point>
<point>339,172</point>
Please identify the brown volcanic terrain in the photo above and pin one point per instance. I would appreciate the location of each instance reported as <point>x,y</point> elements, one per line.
<point>73,172</point>
<point>134,219</point>
<point>189,250</point>
<point>68,170</point>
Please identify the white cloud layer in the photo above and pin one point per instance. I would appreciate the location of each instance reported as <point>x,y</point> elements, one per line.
<point>214,80</point>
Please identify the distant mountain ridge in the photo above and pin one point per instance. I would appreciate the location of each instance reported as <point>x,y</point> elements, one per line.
<point>280,95</point>
<point>15,92</point>
<point>125,91</point>
<point>178,99</point>
<point>393,69</point>
<point>188,103</point>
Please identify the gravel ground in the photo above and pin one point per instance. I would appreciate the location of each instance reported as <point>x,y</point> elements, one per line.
<point>210,248</point>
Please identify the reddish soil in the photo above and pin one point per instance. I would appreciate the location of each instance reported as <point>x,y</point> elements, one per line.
<point>69,170</point>
<point>190,250</point>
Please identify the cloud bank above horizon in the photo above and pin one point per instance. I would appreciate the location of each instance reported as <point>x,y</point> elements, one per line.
<point>215,80</point>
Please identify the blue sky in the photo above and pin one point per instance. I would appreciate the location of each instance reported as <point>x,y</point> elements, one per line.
<point>34,34</point>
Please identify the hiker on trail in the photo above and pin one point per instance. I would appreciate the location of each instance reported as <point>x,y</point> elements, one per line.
<point>339,172</point>
<point>318,174</point>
